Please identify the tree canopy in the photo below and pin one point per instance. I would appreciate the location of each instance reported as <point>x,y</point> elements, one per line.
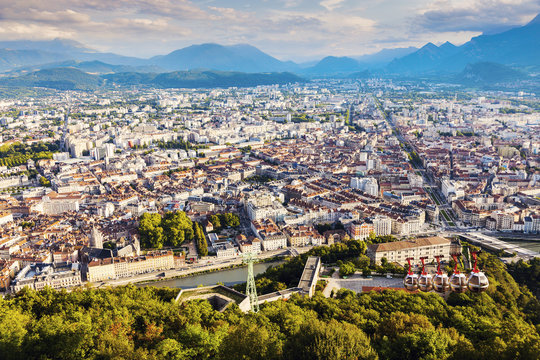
<point>172,229</point>
<point>146,323</point>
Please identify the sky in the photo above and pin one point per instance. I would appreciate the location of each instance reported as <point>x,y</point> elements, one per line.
<point>298,30</point>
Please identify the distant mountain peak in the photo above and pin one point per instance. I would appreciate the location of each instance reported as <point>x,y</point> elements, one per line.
<point>447,44</point>
<point>516,47</point>
<point>239,57</point>
<point>535,21</point>
<point>429,45</point>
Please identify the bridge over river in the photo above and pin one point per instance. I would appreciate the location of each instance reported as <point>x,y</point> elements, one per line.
<point>493,243</point>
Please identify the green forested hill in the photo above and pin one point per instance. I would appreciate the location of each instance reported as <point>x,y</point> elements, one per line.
<point>68,78</point>
<point>146,323</point>
<point>202,79</point>
<point>57,78</point>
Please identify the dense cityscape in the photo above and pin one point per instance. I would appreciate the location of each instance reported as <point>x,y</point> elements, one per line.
<point>80,170</point>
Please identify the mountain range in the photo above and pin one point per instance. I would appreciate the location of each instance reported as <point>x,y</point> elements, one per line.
<point>519,47</point>
<point>516,48</point>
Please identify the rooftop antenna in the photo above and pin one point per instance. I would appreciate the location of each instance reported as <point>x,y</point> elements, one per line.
<point>251,290</point>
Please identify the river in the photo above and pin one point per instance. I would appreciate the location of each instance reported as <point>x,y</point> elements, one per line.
<point>530,245</point>
<point>228,277</point>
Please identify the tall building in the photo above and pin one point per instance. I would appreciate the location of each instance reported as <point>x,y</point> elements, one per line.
<point>96,239</point>
<point>367,185</point>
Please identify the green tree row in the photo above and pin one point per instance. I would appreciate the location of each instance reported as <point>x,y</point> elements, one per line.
<point>200,239</point>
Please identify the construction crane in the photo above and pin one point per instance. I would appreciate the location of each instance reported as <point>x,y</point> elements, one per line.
<point>251,290</point>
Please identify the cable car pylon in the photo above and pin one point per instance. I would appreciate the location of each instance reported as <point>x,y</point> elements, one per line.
<point>251,289</point>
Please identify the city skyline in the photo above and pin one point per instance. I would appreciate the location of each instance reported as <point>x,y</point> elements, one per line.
<point>289,30</point>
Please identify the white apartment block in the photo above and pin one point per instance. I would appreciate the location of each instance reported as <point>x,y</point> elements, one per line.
<point>399,251</point>
<point>531,224</point>
<point>253,246</point>
<point>452,190</point>
<point>37,277</point>
<point>382,225</point>
<point>367,185</point>
<point>113,268</point>
<point>226,251</point>
<point>274,242</point>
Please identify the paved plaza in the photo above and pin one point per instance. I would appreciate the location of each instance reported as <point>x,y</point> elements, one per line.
<point>357,282</point>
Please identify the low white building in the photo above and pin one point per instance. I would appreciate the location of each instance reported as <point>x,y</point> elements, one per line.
<point>399,251</point>
<point>452,189</point>
<point>226,251</point>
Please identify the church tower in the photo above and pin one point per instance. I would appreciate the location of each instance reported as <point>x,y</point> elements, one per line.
<point>96,239</point>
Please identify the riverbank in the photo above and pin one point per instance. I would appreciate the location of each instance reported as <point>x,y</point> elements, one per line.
<point>200,268</point>
<point>163,280</point>
<point>228,277</point>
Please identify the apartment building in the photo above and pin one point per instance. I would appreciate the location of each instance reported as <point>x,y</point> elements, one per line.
<point>112,268</point>
<point>359,230</point>
<point>302,236</point>
<point>38,276</point>
<point>531,224</point>
<point>252,245</point>
<point>399,251</point>
<point>271,236</point>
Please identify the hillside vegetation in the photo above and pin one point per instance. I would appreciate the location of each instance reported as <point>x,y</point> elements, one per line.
<point>146,323</point>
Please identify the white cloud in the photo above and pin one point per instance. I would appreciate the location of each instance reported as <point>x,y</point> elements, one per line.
<point>10,30</point>
<point>284,28</point>
<point>475,15</point>
<point>331,4</point>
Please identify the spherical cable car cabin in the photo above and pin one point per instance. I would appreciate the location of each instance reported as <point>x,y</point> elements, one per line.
<point>478,281</point>
<point>440,280</point>
<point>458,281</point>
<point>425,281</point>
<point>411,279</point>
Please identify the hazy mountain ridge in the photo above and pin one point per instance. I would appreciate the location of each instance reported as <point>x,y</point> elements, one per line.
<point>333,65</point>
<point>95,67</point>
<point>66,78</point>
<point>12,58</point>
<point>518,47</point>
<point>242,57</point>
<point>384,56</point>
